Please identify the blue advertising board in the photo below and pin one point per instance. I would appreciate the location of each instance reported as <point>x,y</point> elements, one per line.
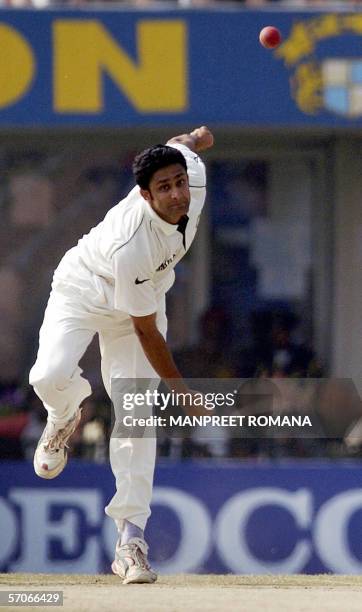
<point>133,68</point>
<point>244,518</point>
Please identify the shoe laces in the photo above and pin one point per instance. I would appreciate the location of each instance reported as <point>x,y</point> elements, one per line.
<point>55,441</point>
<point>137,549</point>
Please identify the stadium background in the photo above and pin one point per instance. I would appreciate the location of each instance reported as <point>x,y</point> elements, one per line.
<point>272,285</point>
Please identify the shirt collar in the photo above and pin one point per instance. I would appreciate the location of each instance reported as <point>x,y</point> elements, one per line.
<point>167,228</point>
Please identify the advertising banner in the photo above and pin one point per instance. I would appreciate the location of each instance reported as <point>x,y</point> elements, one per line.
<point>130,68</point>
<point>207,517</point>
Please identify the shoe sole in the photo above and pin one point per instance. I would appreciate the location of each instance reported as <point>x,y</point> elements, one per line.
<point>141,577</point>
<point>49,474</point>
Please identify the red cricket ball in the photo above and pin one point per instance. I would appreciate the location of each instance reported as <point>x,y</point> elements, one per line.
<point>270,37</point>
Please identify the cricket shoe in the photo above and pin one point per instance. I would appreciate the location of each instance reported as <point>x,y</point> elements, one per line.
<point>131,563</point>
<point>51,454</point>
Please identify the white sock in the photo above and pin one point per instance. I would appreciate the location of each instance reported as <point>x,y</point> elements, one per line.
<point>130,531</point>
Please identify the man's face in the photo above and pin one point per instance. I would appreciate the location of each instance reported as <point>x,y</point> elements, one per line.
<point>168,193</point>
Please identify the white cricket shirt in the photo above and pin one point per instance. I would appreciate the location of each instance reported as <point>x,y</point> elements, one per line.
<point>126,263</point>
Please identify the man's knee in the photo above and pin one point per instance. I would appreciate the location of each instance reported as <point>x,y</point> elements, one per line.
<point>47,381</point>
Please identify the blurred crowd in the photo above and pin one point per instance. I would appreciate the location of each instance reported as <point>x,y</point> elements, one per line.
<point>182,3</point>
<point>273,356</point>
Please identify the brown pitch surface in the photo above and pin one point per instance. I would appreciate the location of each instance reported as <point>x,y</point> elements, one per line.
<point>196,593</point>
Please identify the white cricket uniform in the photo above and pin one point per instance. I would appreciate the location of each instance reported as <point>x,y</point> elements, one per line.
<point>123,267</point>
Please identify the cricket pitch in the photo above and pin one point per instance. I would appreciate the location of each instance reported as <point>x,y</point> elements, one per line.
<point>196,593</point>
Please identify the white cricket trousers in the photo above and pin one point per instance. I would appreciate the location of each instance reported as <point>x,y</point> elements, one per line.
<point>69,325</point>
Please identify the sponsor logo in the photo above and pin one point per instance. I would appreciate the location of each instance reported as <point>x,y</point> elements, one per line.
<point>166,263</point>
<point>320,84</point>
<point>137,75</point>
<point>139,282</point>
<point>77,540</point>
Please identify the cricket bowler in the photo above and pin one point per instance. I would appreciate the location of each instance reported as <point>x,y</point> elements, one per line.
<point>114,283</point>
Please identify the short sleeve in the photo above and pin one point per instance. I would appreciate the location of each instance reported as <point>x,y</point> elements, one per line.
<point>195,166</point>
<point>134,291</point>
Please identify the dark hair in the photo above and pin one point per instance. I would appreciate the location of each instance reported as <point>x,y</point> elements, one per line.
<point>149,161</point>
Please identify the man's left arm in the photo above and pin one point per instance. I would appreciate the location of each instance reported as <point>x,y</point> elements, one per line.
<point>198,140</point>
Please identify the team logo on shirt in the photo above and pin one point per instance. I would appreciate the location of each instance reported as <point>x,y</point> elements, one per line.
<point>166,263</point>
